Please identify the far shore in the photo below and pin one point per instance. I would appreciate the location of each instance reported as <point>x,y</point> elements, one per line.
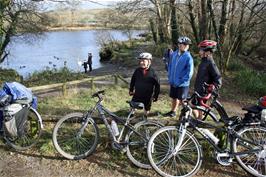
<point>80,28</point>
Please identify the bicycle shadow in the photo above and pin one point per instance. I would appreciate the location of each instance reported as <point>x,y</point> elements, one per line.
<point>107,158</point>
<point>210,166</point>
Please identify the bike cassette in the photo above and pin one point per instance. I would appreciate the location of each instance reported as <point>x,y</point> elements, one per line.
<point>224,158</point>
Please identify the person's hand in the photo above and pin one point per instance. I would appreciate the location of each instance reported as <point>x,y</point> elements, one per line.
<point>131,93</point>
<point>155,99</point>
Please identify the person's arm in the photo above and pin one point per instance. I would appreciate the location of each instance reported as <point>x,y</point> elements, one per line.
<point>190,69</point>
<point>215,74</point>
<point>156,87</point>
<point>132,83</point>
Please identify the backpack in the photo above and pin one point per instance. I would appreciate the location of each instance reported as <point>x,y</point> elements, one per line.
<point>15,118</point>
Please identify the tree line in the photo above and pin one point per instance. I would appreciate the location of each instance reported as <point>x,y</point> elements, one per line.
<point>237,25</point>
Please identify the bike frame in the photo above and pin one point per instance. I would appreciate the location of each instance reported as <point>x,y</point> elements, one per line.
<point>103,111</point>
<point>231,134</point>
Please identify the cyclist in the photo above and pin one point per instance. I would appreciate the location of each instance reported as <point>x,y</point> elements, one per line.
<point>145,85</point>
<point>180,71</point>
<point>208,72</point>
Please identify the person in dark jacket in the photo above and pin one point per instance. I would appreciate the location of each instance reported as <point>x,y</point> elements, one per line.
<point>180,71</point>
<point>145,84</point>
<point>85,65</point>
<point>90,61</point>
<point>208,72</point>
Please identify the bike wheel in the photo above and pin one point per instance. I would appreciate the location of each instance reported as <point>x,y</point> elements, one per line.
<point>73,142</point>
<point>31,132</point>
<point>137,143</point>
<point>252,162</point>
<point>185,162</point>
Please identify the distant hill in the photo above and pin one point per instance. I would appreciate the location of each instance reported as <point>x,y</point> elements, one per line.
<point>75,18</point>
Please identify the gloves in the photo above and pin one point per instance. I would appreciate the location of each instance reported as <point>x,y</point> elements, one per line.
<point>131,93</point>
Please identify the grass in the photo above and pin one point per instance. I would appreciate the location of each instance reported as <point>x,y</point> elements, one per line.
<point>51,76</point>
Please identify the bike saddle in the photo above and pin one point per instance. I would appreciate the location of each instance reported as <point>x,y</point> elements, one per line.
<point>253,109</point>
<point>136,105</point>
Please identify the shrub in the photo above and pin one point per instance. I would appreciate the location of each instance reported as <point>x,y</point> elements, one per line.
<point>52,76</point>
<point>9,75</point>
<point>251,82</point>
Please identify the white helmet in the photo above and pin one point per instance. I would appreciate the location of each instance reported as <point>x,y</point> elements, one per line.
<point>184,40</point>
<point>145,55</point>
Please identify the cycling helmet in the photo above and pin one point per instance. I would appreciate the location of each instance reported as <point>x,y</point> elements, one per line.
<point>262,102</point>
<point>184,40</point>
<point>208,45</point>
<point>145,55</point>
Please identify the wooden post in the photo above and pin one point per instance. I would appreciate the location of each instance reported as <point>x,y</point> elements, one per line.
<point>92,84</point>
<point>116,79</point>
<point>64,89</point>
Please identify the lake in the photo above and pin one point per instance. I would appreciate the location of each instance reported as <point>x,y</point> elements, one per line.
<point>59,48</point>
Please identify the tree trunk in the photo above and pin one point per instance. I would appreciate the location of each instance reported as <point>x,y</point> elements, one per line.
<point>203,22</point>
<point>219,50</point>
<point>174,27</point>
<point>153,31</point>
<point>193,22</point>
<point>223,21</point>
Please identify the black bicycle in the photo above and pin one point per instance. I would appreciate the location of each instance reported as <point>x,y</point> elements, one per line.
<point>76,135</point>
<point>175,151</point>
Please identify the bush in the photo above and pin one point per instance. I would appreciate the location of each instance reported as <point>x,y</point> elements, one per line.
<point>236,65</point>
<point>251,82</point>
<point>52,76</point>
<point>106,54</point>
<point>9,75</point>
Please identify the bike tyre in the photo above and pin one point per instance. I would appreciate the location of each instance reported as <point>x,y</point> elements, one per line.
<point>66,129</point>
<point>156,140</point>
<point>138,156</point>
<point>31,135</point>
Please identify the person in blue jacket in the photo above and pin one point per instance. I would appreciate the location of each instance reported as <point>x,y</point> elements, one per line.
<point>180,71</point>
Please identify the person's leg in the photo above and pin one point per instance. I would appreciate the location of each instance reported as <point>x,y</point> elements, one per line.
<point>175,104</point>
<point>90,67</point>
<point>147,106</point>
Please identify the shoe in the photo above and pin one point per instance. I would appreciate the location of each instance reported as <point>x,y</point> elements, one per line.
<point>170,114</point>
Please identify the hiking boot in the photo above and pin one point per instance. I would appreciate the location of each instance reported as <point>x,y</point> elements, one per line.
<point>170,114</point>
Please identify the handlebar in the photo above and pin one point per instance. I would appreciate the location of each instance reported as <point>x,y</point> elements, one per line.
<point>98,94</point>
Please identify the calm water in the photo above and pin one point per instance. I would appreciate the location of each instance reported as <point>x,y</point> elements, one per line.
<point>57,48</point>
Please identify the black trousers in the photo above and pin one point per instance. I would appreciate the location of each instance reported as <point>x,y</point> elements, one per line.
<point>90,67</point>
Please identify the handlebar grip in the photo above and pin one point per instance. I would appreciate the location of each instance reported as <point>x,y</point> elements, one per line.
<point>98,93</point>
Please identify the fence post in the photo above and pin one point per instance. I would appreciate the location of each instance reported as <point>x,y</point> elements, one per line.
<point>64,89</point>
<point>92,84</point>
<point>116,79</point>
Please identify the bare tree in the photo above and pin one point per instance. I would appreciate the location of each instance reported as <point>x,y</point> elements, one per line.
<point>19,18</point>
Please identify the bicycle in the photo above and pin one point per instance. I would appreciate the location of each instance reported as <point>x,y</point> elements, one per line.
<point>176,151</point>
<point>76,135</point>
<point>30,128</point>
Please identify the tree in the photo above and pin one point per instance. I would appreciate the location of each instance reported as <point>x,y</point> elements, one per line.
<point>19,18</point>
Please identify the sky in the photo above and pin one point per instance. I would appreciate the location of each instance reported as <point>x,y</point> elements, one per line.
<point>83,5</point>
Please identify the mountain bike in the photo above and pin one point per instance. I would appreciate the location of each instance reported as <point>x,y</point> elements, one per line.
<point>76,135</point>
<point>175,151</point>
<point>29,128</point>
